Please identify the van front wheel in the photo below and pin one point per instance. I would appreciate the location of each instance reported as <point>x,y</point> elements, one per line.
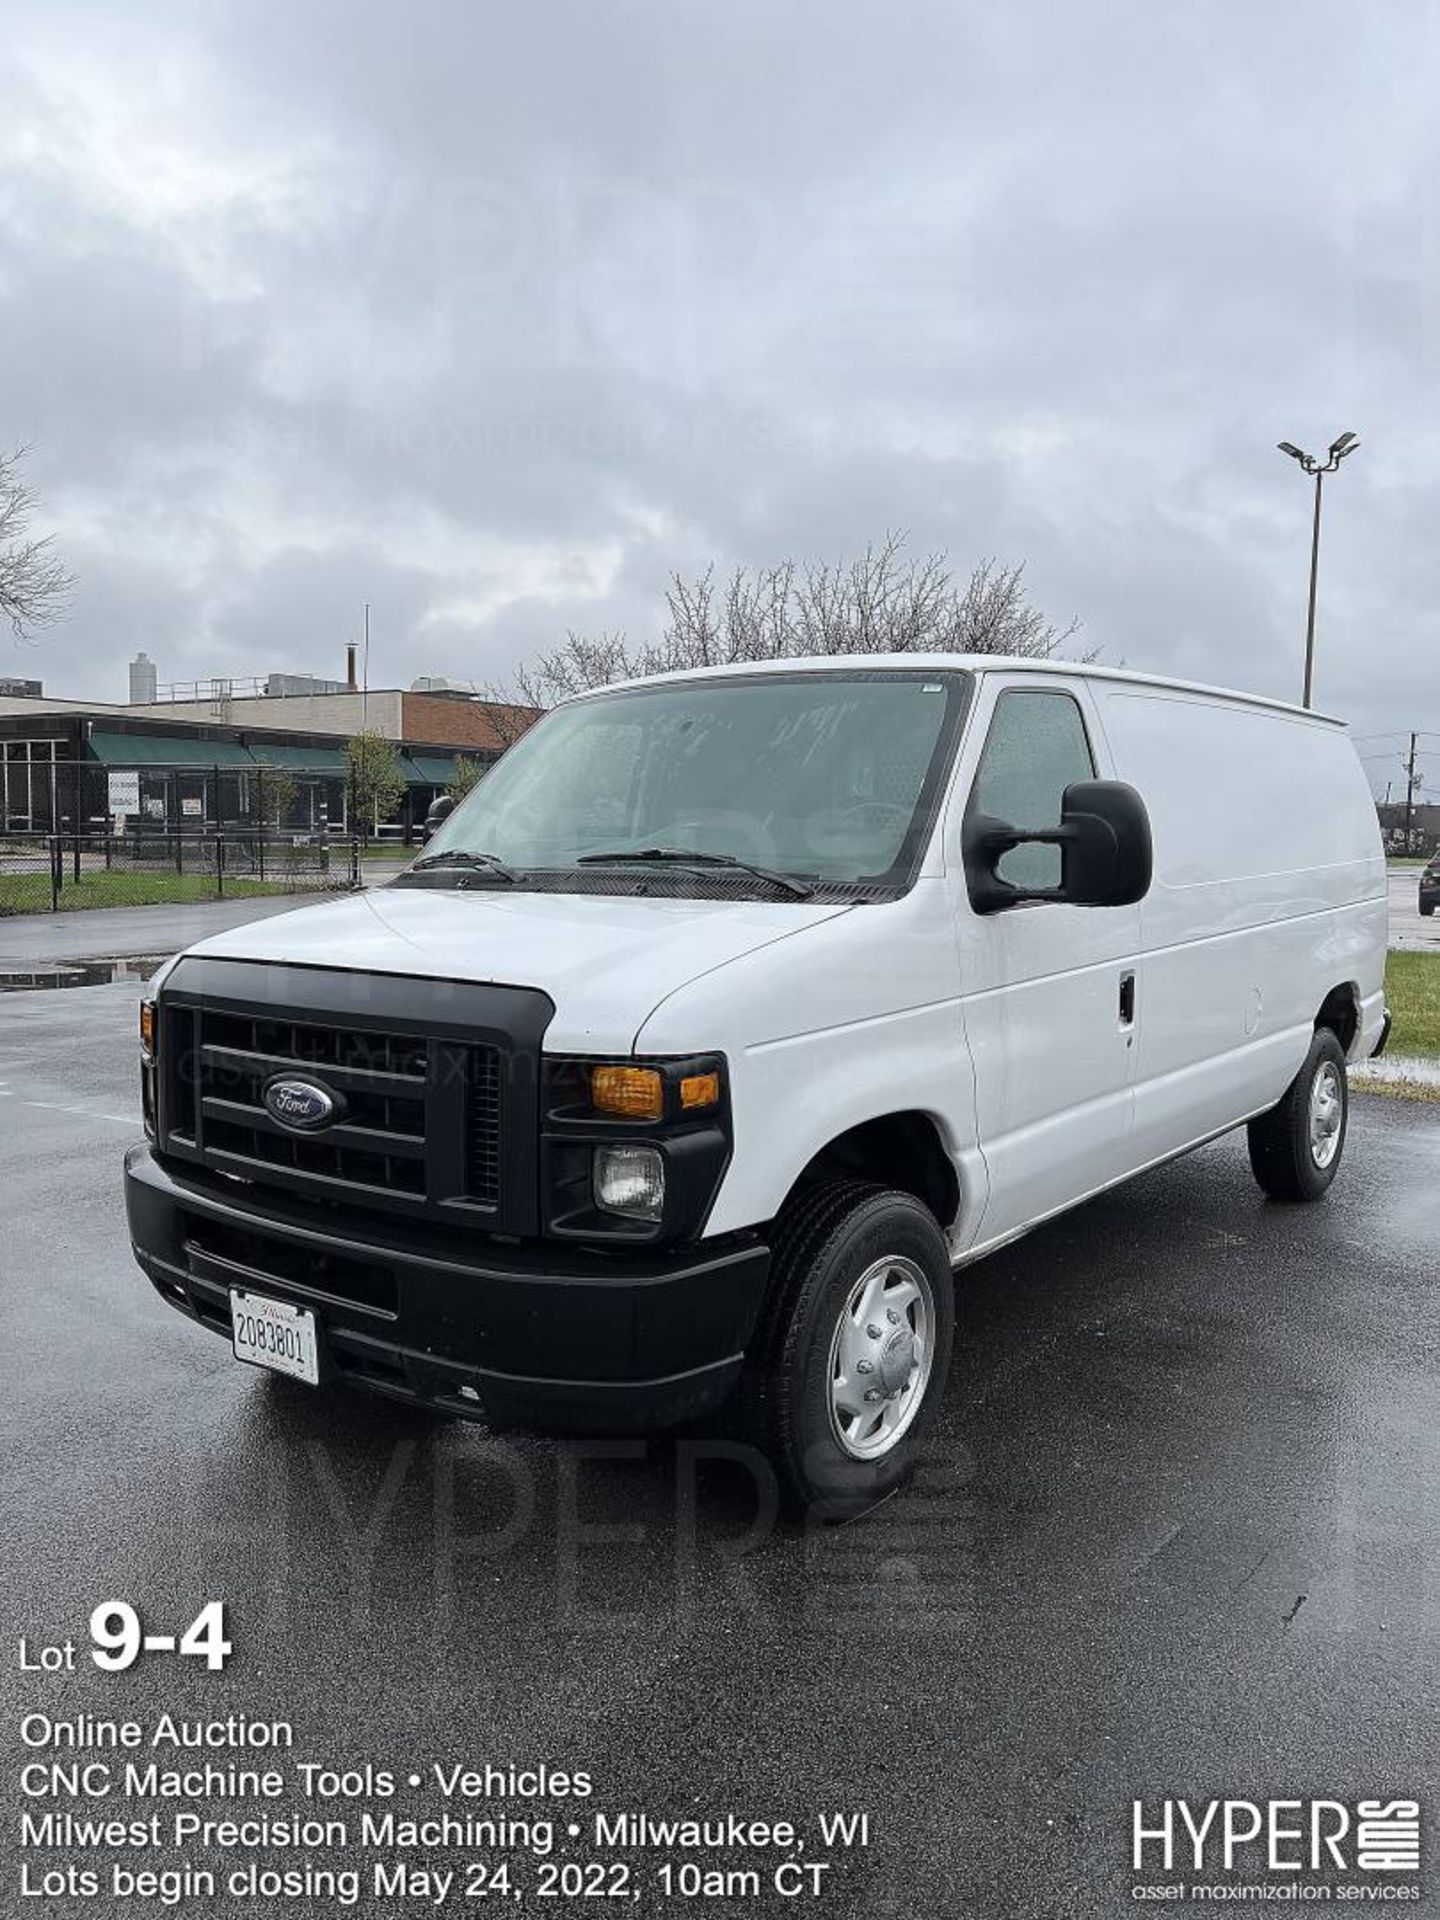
<point>1295,1149</point>
<point>855,1345</point>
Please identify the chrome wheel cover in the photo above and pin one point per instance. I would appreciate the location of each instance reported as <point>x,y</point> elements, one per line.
<point>1327,1113</point>
<point>880,1357</point>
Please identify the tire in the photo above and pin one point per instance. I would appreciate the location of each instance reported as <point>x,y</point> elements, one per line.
<point>1296,1148</point>
<point>859,1275</point>
<point>1426,911</point>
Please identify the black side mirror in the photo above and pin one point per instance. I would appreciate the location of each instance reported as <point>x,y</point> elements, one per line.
<point>441,807</point>
<point>1105,852</point>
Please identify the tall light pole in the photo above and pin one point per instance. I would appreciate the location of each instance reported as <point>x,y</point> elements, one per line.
<point>1337,451</point>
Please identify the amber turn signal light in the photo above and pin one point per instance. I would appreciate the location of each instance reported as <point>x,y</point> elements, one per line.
<point>700,1090</point>
<point>634,1093</point>
<point>147,1025</point>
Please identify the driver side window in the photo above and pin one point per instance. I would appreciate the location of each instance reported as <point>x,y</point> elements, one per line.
<point>1037,747</point>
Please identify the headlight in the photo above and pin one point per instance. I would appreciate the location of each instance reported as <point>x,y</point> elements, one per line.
<point>631,1150</point>
<point>629,1181</point>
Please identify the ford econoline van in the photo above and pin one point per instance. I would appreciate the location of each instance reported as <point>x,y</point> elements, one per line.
<point>733,1011</point>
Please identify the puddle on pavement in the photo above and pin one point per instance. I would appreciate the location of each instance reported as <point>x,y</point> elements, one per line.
<point>80,973</point>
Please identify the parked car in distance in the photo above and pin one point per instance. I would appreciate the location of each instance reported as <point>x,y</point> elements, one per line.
<point>732,1013</point>
<point>1430,885</point>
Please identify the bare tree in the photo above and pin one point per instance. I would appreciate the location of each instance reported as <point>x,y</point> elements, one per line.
<point>579,663</point>
<point>33,583</point>
<point>513,710</point>
<point>884,602</point>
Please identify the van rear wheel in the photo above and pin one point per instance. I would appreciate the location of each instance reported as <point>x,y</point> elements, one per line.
<point>1295,1149</point>
<point>855,1345</point>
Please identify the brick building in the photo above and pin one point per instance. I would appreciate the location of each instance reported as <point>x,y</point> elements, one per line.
<point>206,761</point>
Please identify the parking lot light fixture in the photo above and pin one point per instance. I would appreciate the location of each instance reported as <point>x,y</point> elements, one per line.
<point>1335,453</point>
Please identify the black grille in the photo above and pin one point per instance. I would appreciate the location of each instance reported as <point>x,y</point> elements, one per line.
<point>435,1081</point>
<point>482,1132</point>
<point>387,1082</point>
<point>303,1043</point>
<point>379,1141</point>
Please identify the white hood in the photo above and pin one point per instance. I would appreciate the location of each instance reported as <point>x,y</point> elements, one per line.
<point>607,961</point>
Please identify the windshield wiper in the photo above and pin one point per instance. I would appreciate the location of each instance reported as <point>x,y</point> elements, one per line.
<point>463,857</point>
<point>686,857</point>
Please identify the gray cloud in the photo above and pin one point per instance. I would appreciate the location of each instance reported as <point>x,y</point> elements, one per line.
<point>492,315</point>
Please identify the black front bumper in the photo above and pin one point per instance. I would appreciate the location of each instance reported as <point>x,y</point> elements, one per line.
<point>529,1335</point>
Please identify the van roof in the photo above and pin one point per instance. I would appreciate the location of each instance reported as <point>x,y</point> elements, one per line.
<point>971,663</point>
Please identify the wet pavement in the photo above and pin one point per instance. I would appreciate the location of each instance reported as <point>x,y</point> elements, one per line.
<point>94,932</point>
<point>59,974</point>
<point>1177,1532</point>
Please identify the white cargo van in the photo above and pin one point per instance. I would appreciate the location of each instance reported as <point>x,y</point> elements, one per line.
<point>732,1011</point>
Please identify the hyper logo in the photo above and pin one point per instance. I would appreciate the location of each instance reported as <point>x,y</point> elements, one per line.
<point>1275,1836</point>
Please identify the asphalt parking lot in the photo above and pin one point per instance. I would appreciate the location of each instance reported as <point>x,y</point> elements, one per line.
<point>1177,1532</point>
<point>33,938</point>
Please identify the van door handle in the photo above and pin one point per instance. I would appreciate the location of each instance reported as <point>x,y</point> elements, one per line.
<point>1127,999</point>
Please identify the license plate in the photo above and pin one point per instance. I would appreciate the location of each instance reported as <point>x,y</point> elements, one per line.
<point>270,1333</point>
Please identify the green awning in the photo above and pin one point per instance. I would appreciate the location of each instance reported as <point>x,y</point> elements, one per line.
<point>429,769</point>
<point>298,759</point>
<point>166,750</point>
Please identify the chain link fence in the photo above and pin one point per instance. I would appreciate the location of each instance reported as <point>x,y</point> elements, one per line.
<point>309,791</point>
<point>141,866</point>
<point>83,797</point>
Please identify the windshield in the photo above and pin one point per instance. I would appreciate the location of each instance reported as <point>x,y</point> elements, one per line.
<point>830,778</point>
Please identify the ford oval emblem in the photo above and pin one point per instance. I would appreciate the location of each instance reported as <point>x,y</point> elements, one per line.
<point>302,1104</point>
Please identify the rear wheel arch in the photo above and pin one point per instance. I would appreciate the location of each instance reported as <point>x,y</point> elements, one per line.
<point>1295,1148</point>
<point>1340,1012</point>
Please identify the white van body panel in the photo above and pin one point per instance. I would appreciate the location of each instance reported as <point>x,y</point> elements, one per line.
<point>858,1019</point>
<point>1269,892</point>
<point>1053,1064</point>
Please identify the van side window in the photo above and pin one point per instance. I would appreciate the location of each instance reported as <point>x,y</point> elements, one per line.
<point>1037,747</point>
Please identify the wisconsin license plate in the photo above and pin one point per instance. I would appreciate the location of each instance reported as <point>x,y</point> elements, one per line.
<point>270,1333</point>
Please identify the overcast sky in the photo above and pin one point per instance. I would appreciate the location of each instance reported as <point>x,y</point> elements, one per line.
<point>493,314</point>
